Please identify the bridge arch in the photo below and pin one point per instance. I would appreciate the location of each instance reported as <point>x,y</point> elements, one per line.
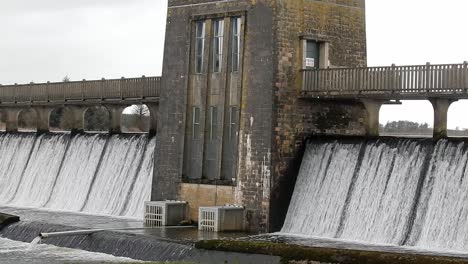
<point>67,118</point>
<point>27,119</point>
<point>457,121</point>
<point>96,119</point>
<point>136,118</point>
<point>413,118</point>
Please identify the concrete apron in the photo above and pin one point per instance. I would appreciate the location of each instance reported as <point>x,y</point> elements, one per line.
<point>7,219</point>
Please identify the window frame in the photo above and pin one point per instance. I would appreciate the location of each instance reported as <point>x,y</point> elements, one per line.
<point>200,46</point>
<point>195,122</point>
<point>236,29</point>
<point>218,44</point>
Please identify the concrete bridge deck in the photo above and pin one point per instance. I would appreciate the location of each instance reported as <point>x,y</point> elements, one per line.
<point>417,82</point>
<point>124,90</point>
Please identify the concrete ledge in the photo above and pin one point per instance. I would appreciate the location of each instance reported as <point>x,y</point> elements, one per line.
<point>7,219</point>
<point>134,246</point>
<point>294,253</point>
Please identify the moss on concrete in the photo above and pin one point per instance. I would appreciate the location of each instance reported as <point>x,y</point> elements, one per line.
<point>289,253</point>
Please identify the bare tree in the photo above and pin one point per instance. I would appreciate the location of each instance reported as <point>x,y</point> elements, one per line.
<point>142,113</point>
<point>66,78</point>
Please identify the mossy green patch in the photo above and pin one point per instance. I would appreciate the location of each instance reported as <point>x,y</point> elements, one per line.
<point>289,252</point>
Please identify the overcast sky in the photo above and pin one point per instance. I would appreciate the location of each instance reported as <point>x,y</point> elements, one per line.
<point>48,39</point>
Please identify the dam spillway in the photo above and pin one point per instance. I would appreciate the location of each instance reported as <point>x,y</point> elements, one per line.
<point>91,173</point>
<point>404,192</point>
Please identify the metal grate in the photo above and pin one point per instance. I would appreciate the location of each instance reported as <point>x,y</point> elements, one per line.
<point>221,218</point>
<point>154,214</point>
<point>164,213</point>
<point>208,219</point>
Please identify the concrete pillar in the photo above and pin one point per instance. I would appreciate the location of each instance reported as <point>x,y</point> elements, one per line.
<point>77,113</point>
<point>11,119</point>
<point>43,118</point>
<point>115,116</point>
<point>154,114</point>
<point>441,106</point>
<point>372,107</point>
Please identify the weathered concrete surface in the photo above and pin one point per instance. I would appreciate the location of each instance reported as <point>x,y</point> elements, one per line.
<point>139,247</point>
<point>441,106</point>
<point>273,121</point>
<point>198,195</point>
<point>7,219</point>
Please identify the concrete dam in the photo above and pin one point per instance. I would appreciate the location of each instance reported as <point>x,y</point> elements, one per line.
<point>265,110</point>
<point>91,173</point>
<point>403,192</point>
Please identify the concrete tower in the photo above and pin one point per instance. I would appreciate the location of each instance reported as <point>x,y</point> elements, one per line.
<point>232,122</point>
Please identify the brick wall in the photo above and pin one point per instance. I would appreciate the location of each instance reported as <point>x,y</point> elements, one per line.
<point>342,24</point>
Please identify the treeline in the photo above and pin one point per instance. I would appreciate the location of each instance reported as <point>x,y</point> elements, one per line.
<point>404,126</point>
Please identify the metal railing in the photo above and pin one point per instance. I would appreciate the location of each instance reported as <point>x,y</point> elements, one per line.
<point>411,81</point>
<point>116,89</point>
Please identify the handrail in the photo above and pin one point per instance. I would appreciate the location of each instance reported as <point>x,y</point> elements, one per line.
<point>413,80</point>
<point>113,89</point>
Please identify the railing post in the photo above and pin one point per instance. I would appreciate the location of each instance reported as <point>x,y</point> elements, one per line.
<point>142,87</point>
<point>394,79</point>
<point>30,92</point>
<point>47,92</point>
<point>122,80</point>
<point>465,76</point>
<point>428,76</point>
<point>15,92</point>
<point>81,89</point>
<point>101,88</point>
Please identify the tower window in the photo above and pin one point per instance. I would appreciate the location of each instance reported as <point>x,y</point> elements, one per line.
<point>218,37</point>
<point>312,55</point>
<point>235,54</point>
<point>213,122</point>
<point>195,122</point>
<point>232,123</point>
<point>199,46</point>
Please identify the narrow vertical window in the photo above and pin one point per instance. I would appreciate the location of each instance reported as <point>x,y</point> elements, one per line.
<point>218,36</point>
<point>232,123</point>
<point>213,122</point>
<point>312,54</point>
<point>199,46</point>
<point>195,122</point>
<point>235,54</point>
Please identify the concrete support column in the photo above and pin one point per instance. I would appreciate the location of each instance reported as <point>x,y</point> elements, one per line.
<point>154,114</point>
<point>373,109</point>
<point>43,118</point>
<point>115,116</point>
<point>77,113</point>
<point>11,119</point>
<point>441,106</point>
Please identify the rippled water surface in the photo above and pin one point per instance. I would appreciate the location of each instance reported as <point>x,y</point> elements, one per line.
<point>14,252</point>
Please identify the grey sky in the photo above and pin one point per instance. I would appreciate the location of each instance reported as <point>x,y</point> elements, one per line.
<point>48,39</point>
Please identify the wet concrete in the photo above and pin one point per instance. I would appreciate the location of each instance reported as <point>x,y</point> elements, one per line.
<point>148,245</point>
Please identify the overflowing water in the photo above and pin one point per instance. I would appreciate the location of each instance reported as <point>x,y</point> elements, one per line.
<point>19,252</point>
<point>92,173</point>
<point>389,191</point>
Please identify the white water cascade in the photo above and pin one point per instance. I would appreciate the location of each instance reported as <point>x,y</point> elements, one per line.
<point>389,191</point>
<point>93,173</point>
